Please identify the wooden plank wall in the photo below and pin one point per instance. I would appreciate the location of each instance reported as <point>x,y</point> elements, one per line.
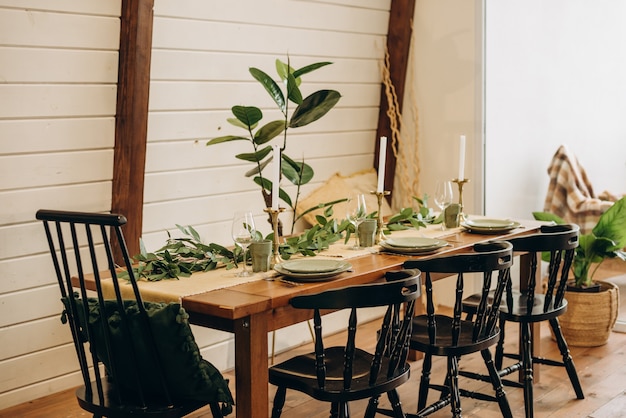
<point>57,106</point>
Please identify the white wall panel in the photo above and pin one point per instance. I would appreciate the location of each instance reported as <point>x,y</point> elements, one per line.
<point>41,135</point>
<point>36,170</point>
<point>64,30</point>
<point>37,65</point>
<point>57,107</point>
<point>23,101</point>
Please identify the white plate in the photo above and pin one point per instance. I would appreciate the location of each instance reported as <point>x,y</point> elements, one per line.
<point>489,223</point>
<point>491,226</point>
<point>312,265</point>
<point>313,277</point>
<point>413,250</point>
<point>415,242</point>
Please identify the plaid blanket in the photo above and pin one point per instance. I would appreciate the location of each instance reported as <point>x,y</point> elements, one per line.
<point>570,194</point>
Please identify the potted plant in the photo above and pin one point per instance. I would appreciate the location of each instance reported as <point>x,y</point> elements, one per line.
<point>593,304</point>
<point>306,110</point>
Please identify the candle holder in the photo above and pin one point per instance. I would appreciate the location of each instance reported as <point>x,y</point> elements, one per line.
<point>276,258</point>
<point>380,225</point>
<point>461,183</point>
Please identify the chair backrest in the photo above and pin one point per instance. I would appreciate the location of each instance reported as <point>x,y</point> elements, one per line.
<point>486,258</point>
<point>398,294</point>
<point>559,242</point>
<point>80,244</point>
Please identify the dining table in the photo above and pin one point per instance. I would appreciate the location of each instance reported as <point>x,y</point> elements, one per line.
<point>252,308</point>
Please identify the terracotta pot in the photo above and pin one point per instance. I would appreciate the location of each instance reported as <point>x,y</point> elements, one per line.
<point>590,316</point>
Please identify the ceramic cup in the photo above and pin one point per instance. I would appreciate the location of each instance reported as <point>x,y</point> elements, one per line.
<point>367,232</point>
<point>261,252</point>
<point>452,214</point>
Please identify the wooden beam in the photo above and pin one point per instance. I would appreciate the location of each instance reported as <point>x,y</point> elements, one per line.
<point>131,125</point>
<point>398,45</point>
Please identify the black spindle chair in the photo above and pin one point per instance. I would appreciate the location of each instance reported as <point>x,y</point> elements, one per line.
<point>438,334</point>
<point>152,366</point>
<point>528,307</point>
<point>342,374</point>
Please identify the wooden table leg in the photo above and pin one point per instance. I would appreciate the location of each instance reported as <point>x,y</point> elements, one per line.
<point>251,367</point>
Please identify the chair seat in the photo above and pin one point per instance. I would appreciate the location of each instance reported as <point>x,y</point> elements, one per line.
<point>443,341</point>
<point>109,405</point>
<point>299,373</point>
<point>518,312</point>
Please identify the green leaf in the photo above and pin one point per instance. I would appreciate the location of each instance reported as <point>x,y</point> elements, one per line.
<point>612,224</point>
<point>296,172</point>
<point>283,70</point>
<point>270,86</point>
<point>293,91</point>
<point>248,115</point>
<point>236,122</point>
<point>256,170</point>
<point>269,131</point>
<point>255,156</point>
<point>226,138</point>
<point>309,68</point>
<point>314,107</point>
<point>264,183</point>
<point>285,197</point>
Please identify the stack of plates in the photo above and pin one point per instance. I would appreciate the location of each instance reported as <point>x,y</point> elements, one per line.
<point>489,226</point>
<point>312,269</point>
<point>412,245</point>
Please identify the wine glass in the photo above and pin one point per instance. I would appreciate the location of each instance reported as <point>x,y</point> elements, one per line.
<point>356,212</point>
<point>243,232</point>
<point>443,197</point>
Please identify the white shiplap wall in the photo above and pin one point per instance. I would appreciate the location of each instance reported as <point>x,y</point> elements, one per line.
<point>58,73</point>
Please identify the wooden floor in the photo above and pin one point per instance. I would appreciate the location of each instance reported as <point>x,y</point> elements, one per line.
<point>602,371</point>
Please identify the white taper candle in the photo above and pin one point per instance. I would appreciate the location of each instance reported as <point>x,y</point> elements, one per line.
<point>276,176</point>
<point>462,158</point>
<point>382,157</point>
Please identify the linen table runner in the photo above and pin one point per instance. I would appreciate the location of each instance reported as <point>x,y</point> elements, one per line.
<point>174,290</point>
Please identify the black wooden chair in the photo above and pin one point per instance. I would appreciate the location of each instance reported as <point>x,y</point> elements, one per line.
<point>342,374</point>
<point>136,358</point>
<point>528,307</point>
<point>436,334</point>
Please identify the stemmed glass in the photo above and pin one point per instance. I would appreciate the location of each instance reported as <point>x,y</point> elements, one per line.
<point>243,232</point>
<point>443,197</point>
<point>356,213</point>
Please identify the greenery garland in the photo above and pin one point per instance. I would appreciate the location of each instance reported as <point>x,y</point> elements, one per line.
<point>180,257</point>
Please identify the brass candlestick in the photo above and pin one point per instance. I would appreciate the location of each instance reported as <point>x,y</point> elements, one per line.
<point>460,183</point>
<point>380,225</point>
<point>276,258</point>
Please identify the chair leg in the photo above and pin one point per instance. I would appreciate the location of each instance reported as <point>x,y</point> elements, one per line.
<point>567,358</point>
<point>455,393</point>
<point>496,382</point>
<point>527,368</point>
<point>216,411</point>
<point>427,364</point>
<point>500,346</point>
<point>396,404</point>
<point>279,402</point>
<point>372,407</point>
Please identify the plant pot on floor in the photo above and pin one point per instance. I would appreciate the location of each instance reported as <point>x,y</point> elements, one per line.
<point>590,316</point>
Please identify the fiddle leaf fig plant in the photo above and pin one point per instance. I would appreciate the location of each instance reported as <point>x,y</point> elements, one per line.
<point>306,110</point>
<point>606,240</point>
